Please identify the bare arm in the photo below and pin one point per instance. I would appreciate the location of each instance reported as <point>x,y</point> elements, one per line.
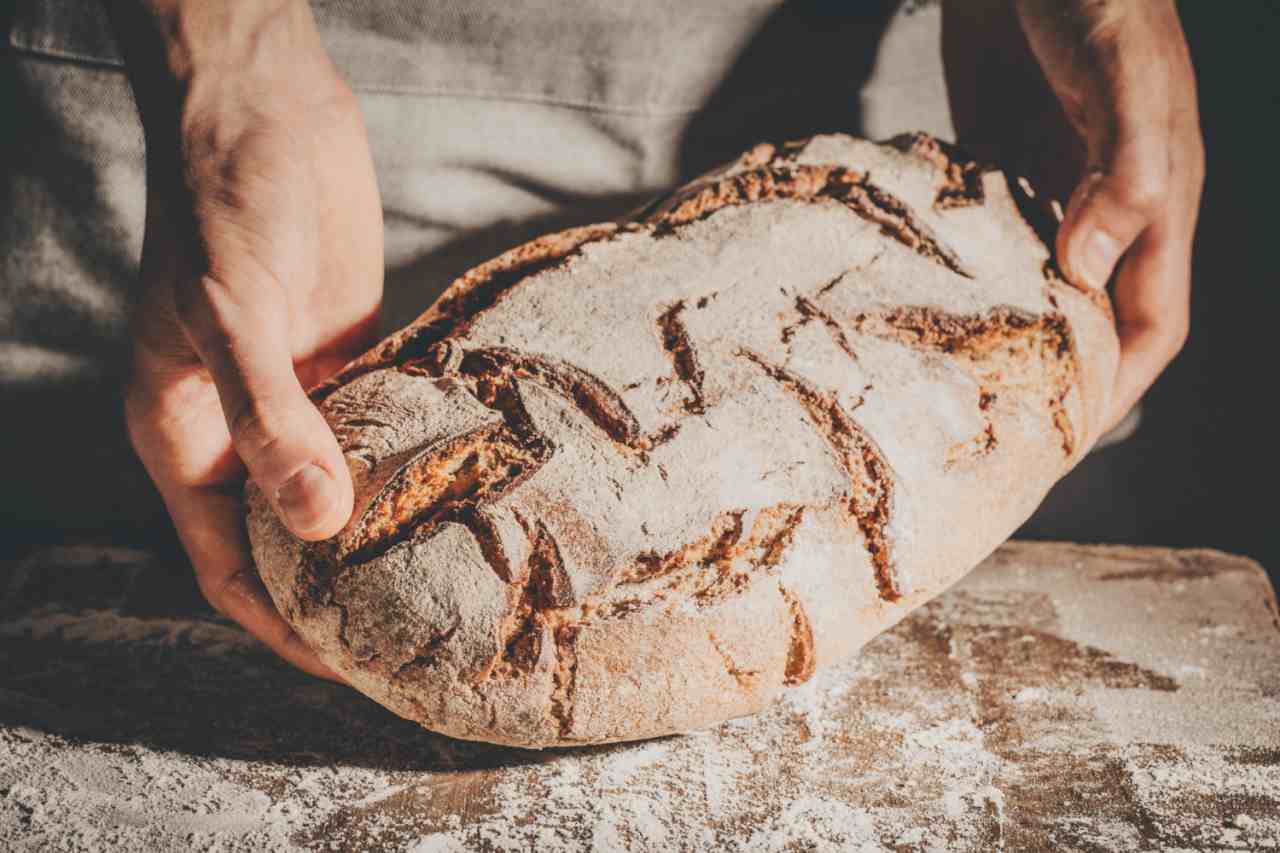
<point>261,273</point>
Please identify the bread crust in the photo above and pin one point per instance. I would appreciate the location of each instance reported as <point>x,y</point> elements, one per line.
<point>634,479</point>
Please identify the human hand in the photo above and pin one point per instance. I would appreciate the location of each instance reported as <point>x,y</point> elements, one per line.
<point>261,274</point>
<point>1122,142</point>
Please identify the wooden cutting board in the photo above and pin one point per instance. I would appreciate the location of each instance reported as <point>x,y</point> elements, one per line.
<point>1062,697</point>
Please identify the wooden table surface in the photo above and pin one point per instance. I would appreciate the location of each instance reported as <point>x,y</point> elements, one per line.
<point>1061,697</point>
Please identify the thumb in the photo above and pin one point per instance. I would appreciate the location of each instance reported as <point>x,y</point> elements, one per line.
<point>240,332</point>
<point>1111,207</point>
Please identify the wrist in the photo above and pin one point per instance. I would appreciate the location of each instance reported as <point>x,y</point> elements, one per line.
<point>218,38</point>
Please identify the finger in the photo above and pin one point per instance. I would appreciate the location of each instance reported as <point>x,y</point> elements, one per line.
<point>240,332</point>
<point>1153,288</point>
<point>1153,316</point>
<point>210,524</point>
<point>1118,85</point>
<point>1112,206</point>
<point>242,597</point>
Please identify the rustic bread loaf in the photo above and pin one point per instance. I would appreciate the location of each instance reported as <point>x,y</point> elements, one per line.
<point>628,480</point>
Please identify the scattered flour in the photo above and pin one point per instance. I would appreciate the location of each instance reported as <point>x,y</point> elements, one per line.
<point>121,729</point>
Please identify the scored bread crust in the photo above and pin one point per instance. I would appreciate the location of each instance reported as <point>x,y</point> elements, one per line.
<point>634,479</point>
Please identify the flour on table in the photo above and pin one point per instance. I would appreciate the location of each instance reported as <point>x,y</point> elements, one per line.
<point>998,717</point>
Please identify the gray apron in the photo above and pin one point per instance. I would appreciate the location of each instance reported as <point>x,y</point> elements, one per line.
<point>490,122</point>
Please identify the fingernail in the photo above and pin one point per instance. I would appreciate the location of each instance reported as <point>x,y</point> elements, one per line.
<point>1097,258</point>
<point>306,498</point>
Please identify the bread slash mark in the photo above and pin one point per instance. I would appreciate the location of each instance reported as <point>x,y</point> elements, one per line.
<point>808,310</point>
<point>783,180</point>
<point>546,587</point>
<point>870,493</point>
<point>468,297</point>
<point>565,678</point>
<point>491,372</point>
<point>714,548</point>
<point>601,405</point>
<point>1004,346</point>
<point>445,483</point>
<point>975,448</point>
<point>430,653</point>
<point>705,572</point>
<point>746,678</point>
<point>676,343</point>
<point>961,175</point>
<point>801,659</point>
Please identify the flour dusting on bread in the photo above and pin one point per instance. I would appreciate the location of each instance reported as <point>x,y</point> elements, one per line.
<point>629,480</point>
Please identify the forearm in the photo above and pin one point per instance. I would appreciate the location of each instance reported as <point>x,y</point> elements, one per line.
<point>185,57</point>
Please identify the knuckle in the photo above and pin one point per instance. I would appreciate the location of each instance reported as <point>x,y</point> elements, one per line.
<point>255,426</point>
<point>267,436</point>
<point>1142,189</point>
<point>1168,336</point>
<point>1162,335</point>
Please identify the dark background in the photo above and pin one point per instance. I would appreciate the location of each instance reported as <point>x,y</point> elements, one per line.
<point>1200,469</point>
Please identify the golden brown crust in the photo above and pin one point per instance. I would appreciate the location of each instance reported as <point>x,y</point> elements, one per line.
<point>628,480</point>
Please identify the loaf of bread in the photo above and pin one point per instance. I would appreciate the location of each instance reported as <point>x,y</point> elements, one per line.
<point>635,479</point>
